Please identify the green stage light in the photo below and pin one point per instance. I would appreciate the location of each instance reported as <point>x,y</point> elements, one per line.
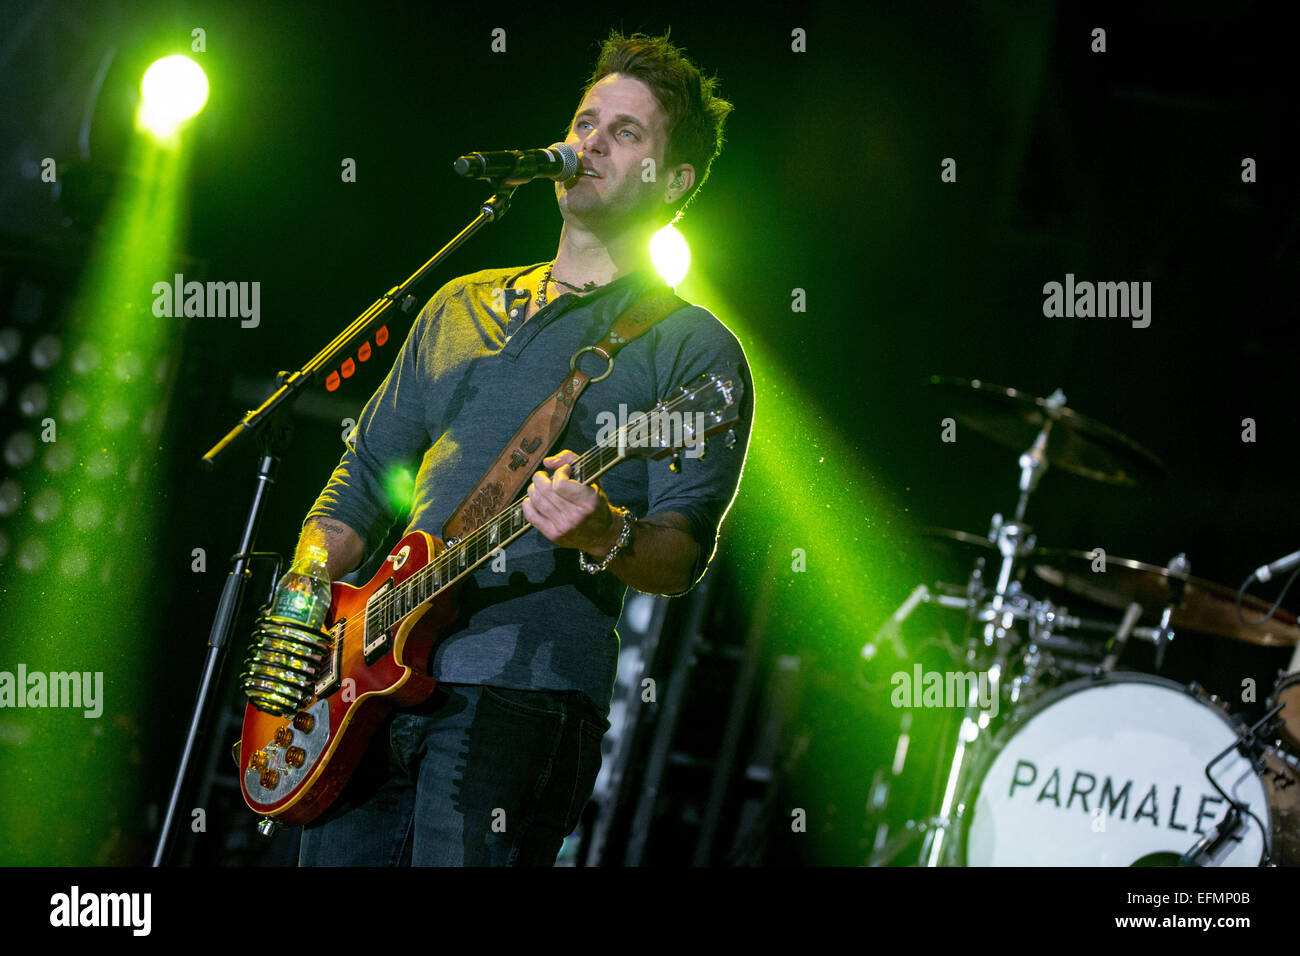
<point>173,90</point>
<point>670,254</point>
<point>399,485</point>
<point>101,470</point>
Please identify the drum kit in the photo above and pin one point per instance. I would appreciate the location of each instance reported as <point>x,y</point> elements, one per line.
<point>1079,762</point>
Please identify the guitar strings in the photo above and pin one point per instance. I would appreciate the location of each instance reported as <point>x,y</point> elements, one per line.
<point>443,560</point>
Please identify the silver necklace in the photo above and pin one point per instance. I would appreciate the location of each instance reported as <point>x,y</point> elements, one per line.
<point>586,286</point>
<point>541,290</point>
<point>547,279</point>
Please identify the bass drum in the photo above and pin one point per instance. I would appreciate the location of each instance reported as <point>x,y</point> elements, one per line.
<point>1110,772</point>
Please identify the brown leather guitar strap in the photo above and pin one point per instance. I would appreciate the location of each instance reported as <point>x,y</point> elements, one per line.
<point>522,456</point>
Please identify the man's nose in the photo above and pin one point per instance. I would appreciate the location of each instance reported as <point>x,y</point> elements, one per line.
<point>595,142</point>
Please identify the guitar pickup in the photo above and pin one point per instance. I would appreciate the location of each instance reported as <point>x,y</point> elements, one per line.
<point>380,618</point>
<point>332,678</point>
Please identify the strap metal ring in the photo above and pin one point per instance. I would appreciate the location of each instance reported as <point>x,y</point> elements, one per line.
<point>573,362</point>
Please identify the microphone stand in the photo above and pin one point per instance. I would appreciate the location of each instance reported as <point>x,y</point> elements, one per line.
<point>268,425</point>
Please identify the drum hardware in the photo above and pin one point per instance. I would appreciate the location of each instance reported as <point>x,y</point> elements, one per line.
<point>1250,746</point>
<point>1043,618</point>
<point>889,631</point>
<point>1208,846</point>
<point>1004,608</point>
<point>1203,695</point>
<point>1033,463</point>
<point>912,830</point>
<point>1263,574</point>
<point>1179,570</point>
<point>1043,621</point>
<point>1024,643</point>
<point>1116,647</point>
<point>932,846</point>
<point>1013,541</point>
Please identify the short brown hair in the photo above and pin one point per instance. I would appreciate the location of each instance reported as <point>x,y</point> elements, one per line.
<point>695,113</point>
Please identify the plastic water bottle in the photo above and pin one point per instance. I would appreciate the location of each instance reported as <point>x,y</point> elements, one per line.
<point>303,594</point>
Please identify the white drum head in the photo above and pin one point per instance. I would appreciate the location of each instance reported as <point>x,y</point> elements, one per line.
<point>1112,773</point>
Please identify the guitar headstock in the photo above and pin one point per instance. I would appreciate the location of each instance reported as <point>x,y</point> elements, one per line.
<point>680,424</point>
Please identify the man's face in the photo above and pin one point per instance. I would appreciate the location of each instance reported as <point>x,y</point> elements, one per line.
<point>618,126</point>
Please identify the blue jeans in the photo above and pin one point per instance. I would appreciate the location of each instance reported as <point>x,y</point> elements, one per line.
<point>474,776</point>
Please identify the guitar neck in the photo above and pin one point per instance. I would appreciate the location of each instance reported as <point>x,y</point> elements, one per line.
<point>479,545</point>
<point>495,533</point>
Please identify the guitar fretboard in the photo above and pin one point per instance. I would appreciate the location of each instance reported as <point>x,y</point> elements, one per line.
<point>478,546</point>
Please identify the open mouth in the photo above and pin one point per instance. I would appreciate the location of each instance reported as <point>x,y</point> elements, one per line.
<point>582,173</point>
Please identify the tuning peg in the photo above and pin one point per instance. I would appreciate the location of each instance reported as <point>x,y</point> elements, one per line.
<point>675,464</point>
<point>730,440</point>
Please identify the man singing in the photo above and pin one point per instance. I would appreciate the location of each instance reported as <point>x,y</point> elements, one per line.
<point>496,766</point>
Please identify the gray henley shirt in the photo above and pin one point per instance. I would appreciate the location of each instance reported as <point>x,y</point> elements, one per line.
<point>467,376</point>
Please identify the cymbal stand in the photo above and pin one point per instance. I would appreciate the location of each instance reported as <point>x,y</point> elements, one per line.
<point>1014,541</point>
<point>1179,570</point>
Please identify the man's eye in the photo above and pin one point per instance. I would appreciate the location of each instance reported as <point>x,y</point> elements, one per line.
<point>631,133</point>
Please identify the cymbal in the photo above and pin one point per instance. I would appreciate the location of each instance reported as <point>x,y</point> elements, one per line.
<point>1077,444</point>
<point>1206,607</point>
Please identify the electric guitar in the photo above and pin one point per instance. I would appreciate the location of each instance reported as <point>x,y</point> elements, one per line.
<point>317,697</point>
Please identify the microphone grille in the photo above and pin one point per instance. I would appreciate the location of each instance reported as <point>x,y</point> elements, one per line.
<point>568,155</point>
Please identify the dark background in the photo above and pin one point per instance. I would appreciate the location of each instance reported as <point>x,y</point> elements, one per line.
<point>1115,166</point>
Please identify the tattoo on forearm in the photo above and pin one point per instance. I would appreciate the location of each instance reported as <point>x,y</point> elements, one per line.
<point>333,529</point>
<point>323,531</point>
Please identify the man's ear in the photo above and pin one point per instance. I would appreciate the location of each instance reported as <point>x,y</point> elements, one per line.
<point>680,182</point>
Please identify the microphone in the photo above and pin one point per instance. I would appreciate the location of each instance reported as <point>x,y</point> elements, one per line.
<point>1278,566</point>
<point>514,167</point>
<point>1207,845</point>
